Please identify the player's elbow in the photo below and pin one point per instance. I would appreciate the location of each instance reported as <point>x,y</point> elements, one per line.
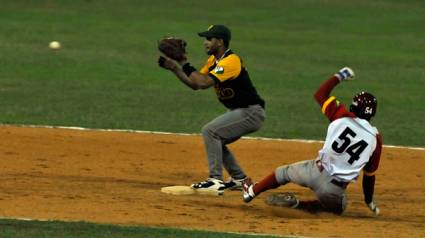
<point>199,85</point>
<point>318,97</point>
<point>203,86</point>
<point>194,87</point>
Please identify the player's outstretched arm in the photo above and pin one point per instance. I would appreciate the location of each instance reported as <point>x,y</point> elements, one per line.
<point>325,89</point>
<point>187,74</point>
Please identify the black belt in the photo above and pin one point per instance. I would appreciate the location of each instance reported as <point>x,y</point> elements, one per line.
<point>339,183</point>
<point>334,181</point>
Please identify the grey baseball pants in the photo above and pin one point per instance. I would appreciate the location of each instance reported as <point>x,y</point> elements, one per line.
<point>307,174</point>
<point>224,130</point>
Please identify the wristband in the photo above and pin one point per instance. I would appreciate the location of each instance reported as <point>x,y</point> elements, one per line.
<point>338,76</point>
<point>188,69</point>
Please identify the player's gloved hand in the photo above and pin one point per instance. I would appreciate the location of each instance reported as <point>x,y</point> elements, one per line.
<point>345,74</point>
<point>372,206</point>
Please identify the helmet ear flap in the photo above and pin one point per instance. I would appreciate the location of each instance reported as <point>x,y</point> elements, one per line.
<point>354,109</point>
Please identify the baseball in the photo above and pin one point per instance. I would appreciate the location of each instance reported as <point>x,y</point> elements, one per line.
<point>55,45</point>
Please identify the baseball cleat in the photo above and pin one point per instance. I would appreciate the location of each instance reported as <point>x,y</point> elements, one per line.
<point>234,184</point>
<point>283,200</point>
<point>247,188</point>
<point>211,185</point>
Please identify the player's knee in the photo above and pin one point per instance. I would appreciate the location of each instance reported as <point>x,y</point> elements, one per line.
<point>208,131</point>
<point>282,174</point>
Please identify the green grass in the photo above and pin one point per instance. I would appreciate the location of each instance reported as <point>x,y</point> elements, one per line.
<point>106,76</point>
<point>39,229</point>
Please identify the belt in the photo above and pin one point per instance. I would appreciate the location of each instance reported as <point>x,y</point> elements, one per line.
<point>339,183</point>
<point>334,181</point>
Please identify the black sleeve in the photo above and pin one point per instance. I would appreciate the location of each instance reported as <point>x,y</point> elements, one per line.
<point>368,188</point>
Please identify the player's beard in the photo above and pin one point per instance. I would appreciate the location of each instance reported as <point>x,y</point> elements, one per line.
<point>210,51</point>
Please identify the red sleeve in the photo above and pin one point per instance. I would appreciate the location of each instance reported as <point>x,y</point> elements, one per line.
<point>322,94</point>
<point>331,107</point>
<point>373,163</point>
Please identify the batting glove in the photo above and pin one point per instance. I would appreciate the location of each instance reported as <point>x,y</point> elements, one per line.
<point>345,74</point>
<point>372,206</point>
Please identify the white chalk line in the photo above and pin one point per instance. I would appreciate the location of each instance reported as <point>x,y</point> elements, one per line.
<point>194,134</point>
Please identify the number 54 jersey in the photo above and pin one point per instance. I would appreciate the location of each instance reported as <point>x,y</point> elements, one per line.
<point>349,146</point>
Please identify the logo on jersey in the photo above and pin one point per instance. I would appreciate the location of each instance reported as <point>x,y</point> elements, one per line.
<point>224,93</point>
<point>219,70</point>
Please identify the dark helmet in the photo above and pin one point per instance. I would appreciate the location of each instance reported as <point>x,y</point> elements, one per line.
<point>364,105</point>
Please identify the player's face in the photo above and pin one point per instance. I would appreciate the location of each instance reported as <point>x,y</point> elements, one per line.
<point>211,45</point>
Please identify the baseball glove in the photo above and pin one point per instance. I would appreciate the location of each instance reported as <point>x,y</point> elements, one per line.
<point>173,48</point>
<point>283,200</point>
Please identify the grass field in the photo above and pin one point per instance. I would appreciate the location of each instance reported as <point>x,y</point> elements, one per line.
<point>35,229</point>
<point>106,76</point>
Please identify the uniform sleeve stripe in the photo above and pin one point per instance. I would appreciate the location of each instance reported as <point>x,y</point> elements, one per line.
<point>326,103</point>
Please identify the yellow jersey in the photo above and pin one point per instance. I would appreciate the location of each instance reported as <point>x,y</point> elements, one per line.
<point>232,83</point>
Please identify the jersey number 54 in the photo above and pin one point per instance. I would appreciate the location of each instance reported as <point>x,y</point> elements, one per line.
<point>345,144</point>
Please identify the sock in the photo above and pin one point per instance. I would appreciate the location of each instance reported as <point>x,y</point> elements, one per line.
<point>265,184</point>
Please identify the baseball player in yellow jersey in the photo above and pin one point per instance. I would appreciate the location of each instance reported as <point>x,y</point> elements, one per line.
<point>225,72</point>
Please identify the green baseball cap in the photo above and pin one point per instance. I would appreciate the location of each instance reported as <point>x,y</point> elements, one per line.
<point>217,31</point>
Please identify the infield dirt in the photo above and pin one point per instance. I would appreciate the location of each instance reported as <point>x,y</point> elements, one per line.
<point>116,177</point>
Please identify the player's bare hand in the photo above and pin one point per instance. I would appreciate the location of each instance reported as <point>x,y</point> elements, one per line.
<point>167,63</point>
<point>345,74</point>
<point>372,206</point>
